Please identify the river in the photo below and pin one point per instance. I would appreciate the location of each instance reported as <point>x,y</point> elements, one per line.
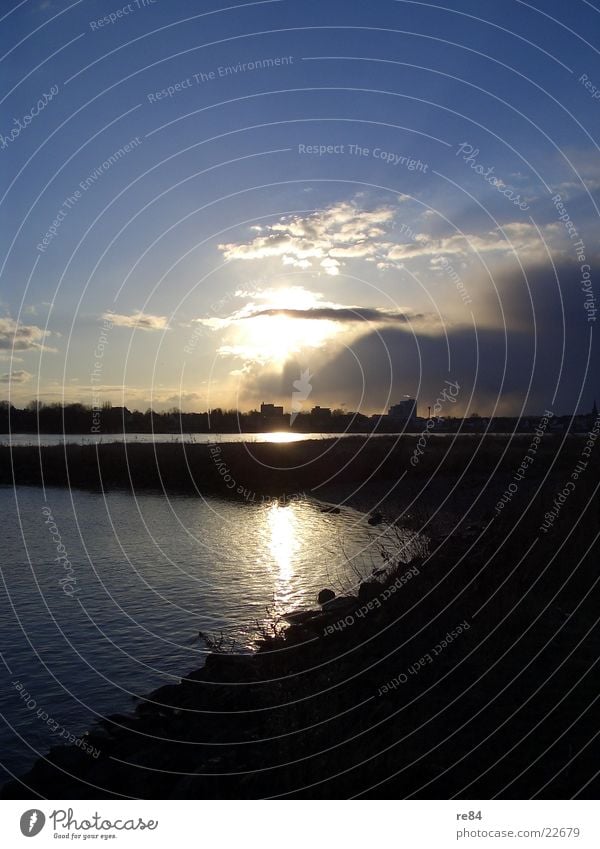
<point>103,596</point>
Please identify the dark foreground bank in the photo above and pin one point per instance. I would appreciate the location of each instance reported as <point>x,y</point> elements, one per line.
<point>471,671</point>
<point>243,469</point>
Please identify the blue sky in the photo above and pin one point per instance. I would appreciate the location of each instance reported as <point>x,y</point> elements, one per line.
<point>367,191</point>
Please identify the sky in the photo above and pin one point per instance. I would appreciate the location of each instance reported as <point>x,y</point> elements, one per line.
<point>203,203</point>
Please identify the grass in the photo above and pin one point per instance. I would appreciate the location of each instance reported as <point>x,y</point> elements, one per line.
<point>275,469</point>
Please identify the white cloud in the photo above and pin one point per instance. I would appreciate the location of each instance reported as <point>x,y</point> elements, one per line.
<point>323,237</point>
<point>138,320</point>
<point>20,376</point>
<point>22,337</point>
<point>275,324</point>
<point>519,237</point>
<point>328,238</point>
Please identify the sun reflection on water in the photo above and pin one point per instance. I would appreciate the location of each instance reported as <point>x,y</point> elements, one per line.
<point>283,436</point>
<point>282,525</point>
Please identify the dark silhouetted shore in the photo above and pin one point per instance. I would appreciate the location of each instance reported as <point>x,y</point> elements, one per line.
<point>475,676</point>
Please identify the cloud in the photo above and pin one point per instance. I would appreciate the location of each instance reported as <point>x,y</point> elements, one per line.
<point>22,337</point>
<point>343,314</point>
<point>580,170</point>
<point>183,398</point>
<point>138,320</point>
<point>328,238</point>
<point>298,303</point>
<point>133,397</point>
<point>538,361</point>
<point>274,323</point>
<point>20,376</point>
<point>340,231</point>
<point>517,237</point>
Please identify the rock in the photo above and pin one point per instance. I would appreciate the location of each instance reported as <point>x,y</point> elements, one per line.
<point>325,596</point>
<point>297,617</point>
<point>341,603</point>
<point>67,757</point>
<point>230,668</point>
<point>192,677</point>
<point>97,737</point>
<point>375,519</point>
<point>271,644</point>
<point>167,697</point>
<point>298,634</point>
<point>116,722</point>
<point>368,590</point>
<point>317,624</point>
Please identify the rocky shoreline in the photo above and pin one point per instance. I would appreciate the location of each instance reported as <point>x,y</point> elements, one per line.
<point>357,691</point>
<point>443,676</point>
<point>175,728</point>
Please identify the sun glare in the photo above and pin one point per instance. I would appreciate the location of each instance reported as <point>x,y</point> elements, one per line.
<point>282,437</point>
<point>283,543</point>
<point>274,338</point>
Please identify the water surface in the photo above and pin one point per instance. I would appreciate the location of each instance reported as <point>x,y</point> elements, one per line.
<point>148,572</point>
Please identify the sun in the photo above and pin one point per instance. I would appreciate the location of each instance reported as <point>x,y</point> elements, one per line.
<point>276,338</point>
<point>263,333</point>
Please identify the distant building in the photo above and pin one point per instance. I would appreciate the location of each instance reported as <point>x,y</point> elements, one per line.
<point>321,411</point>
<point>405,410</point>
<point>271,410</point>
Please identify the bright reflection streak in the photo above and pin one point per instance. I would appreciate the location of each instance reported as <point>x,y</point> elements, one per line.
<point>283,436</point>
<point>283,543</point>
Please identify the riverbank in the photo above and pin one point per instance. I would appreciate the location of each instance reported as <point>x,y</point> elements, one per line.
<point>468,671</point>
<point>454,482</point>
<point>243,469</point>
